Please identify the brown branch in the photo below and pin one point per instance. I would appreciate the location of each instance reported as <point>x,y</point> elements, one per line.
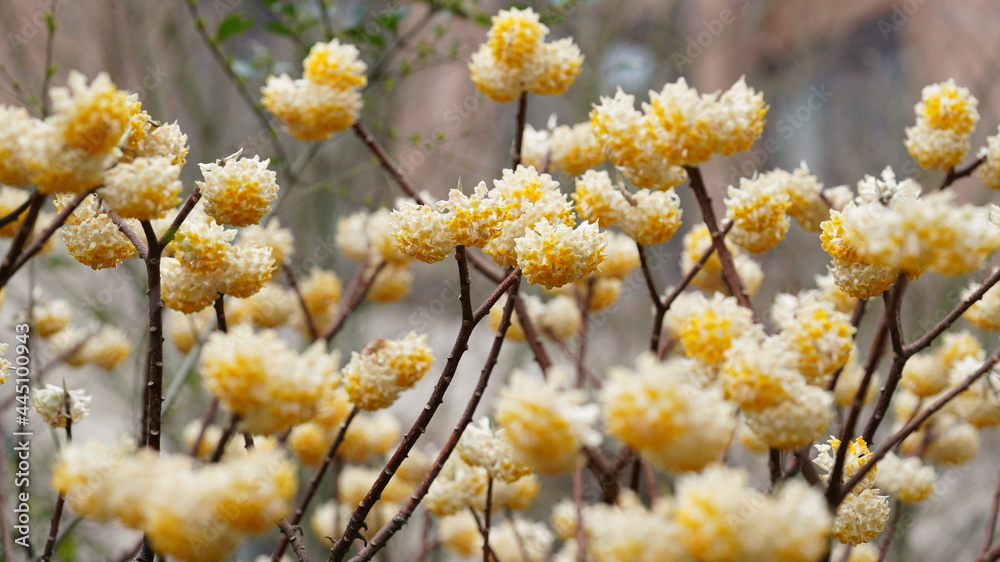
<point>286,267</point>
<point>856,316</point>
<point>899,358</point>
<point>154,357</point>
<point>581,532</point>
<point>291,534</point>
<point>16,213</point>
<point>356,293</point>
<point>213,407</point>
<point>950,318</point>
<point>729,274</point>
<point>382,537</point>
<point>182,214</point>
<point>487,519</point>
<point>847,432</point>
<point>133,237</point>
<point>918,420</point>
<point>227,434</point>
<point>808,469</point>
<point>317,478</point>
<point>992,524</point>
<point>522,118</point>
<point>955,174</point>
<point>606,474</point>
<point>36,200</point>
<point>383,157</point>
<point>531,335</point>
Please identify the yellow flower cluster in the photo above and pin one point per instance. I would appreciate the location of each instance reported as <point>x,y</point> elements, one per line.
<point>907,480</point>
<point>946,116</point>
<point>221,504</point>
<point>571,150</point>
<point>368,238</point>
<point>985,313</point>
<point>375,377</point>
<point>705,327</point>
<point>988,171</point>
<point>481,446</point>
<point>207,263</point>
<point>648,217</point>
<point>819,335</point>
<point>678,127</point>
<point>516,59</point>
<point>326,100</point>
<point>863,513</point>
<point>91,237</point>
<point>55,404</point>
<point>143,189</point>
<point>656,410</point>
<point>524,220</point>
<point>716,524</point>
<point>544,424</point>
<point>891,229</point>
<point>758,211</point>
<point>238,192</point>
<point>259,377</point>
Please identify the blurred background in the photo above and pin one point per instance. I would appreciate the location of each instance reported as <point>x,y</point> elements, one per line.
<point>841,79</point>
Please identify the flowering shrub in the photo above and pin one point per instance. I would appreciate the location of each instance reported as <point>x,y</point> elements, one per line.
<point>658,458</point>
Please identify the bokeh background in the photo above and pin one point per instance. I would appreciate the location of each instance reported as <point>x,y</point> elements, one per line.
<point>841,79</point>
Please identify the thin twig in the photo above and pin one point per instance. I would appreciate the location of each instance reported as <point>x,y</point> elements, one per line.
<point>917,421</point>
<point>14,253</point>
<point>890,530</point>
<point>50,542</point>
<point>991,526</point>
<point>899,358</point>
<point>382,537</point>
<point>487,519</point>
<point>361,284</point>
<point>729,273</point>
<point>950,318</point>
<point>581,535</point>
<point>292,535</point>
<point>227,433</point>
<point>300,510</point>
<point>856,316</point>
<point>182,214</point>
<point>959,173</point>
<point>522,119</point>
<point>294,284</point>
<point>132,235</point>
<point>154,358</point>
<point>383,157</point>
<point>16,213</point>
<point>50,24</point>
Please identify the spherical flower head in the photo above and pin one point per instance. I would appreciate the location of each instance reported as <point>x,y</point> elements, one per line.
<point>546,426</point>
<point>697,241</point>
<point>924,375</point>
<point>936,149</point>
<point>459,534</point>
<point>621,257</point>
<point>164,140</point>
<point>627,532</point>
<point>707,327</point>
<point>553,256</point>
<point>759,372</point>
<point>524,199</point>
<point>861,517</point>
<point>370,435</point>
<point>495,80</point>
<point>259,377</point>
<point>187,290</point>
<point>573,150</point>
<point>945,105</point>
<point>238,192</point>
<point>375,377</point>
<point>793,423</point>
<point>92,118</point>
<point>979,404</point>
<point>554,67</point>
<point>456,487</point>
<point>857,456</point>
<point>321,291</point>
<point>954,442</point>
<point>353,484</point>
<point>984,313</point>
<point>561,318</point>
<point>483,447</point>
<point>335,65</point>
<point>10,199</point>
<point>758,210</point>
<point>247,269</point>
<point>422,232</point>
<point>108,348</point>
<point>821,336</point>
<point>516,36</point>
<point>708,508</point>
<point>654,218</point>
<point>829,291</point>
<point>91,238</point>
<point>907,480</point>
<point>805,191</point>
<point>518,539</point>
<point>311,111</point>
<point>794,526</point>
<point>279,239</point>
<point>391,284</point>
<point>51,317</point>
<point>202,244</point>
<point>627,140</point>
<point>83,474</point>
<point>54,404</point>
<point>669,421</point>
<point>56,168</point>
<point>270,307</point>
<point>515,332</point>
<point>597,199</point>
<point>471,221</point>
<point>17,126</point>
<point>143,189</point>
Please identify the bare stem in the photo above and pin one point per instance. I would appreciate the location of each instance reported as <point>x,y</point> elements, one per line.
<point>16,213</point>
<point>487,519</point>
<point>950,318</point>
<point>955,174</point>
<point>899,358</point>
<point>991,526</point>
<point>294,284</point>
<point>154,357</point>
<point>356,293</point>
<point>522,119</point>
<point>133,237</point>
<point>729,273</point>
<point>181,216</point>
<point>382,537</point>
<point>383,157</point>
<point>9,266</point>
<point>292,534</point>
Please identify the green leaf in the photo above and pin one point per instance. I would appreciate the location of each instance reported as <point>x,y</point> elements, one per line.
<point>278,28</point>
<point>232,26</point>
